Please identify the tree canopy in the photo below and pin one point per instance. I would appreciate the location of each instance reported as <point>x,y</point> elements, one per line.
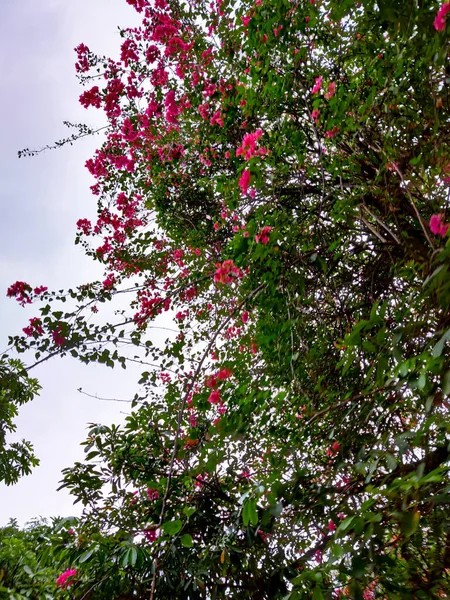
<point>275,176</point>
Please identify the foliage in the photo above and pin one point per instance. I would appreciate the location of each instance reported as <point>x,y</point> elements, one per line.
<point>16,388</point>
<point>275,175</point>
<point>31,559</point>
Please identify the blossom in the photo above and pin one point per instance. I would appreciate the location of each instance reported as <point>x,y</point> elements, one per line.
<point>248,147</point>
<point>109,281</point>
<point>20,291</point>
<point>317,85</point>
<point>226,271</point>
<point>244,181</point>
<point>35,327</point>
<point>62,579</point>
<point>214,397</point>
<point>437,226</point>
<point>331,133</point>
<point>91,98</point>
<point>315,114</point>
<point>224,374</point>
<point>439,22</point>
<point>58,336</point>
<point>152,494</point>
<point>263,235</point>
<point>331,526</point>
<point>83,62</point>
<point>151,535</point>
<point>331,90</point>
<point>40,290</point>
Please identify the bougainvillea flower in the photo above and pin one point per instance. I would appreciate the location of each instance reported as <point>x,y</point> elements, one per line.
<point>439,22</point>
<point>64,580</point>
<point>437,226</point>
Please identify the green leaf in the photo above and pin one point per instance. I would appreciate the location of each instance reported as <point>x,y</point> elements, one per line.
<point>172,527</point>
<point>86,555</point>
<point>186,540</point>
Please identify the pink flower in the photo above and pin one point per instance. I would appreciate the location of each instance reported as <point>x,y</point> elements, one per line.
<point>331,133</point>
<point>214,397</point>
<point>40,290</point>
<point>331,526</point>
<point>152,494</point>
<point>331,90</point>
<point>151,535</point>
<point>109,281</point>
<point>35,327</point>
<point>248,146</point>
<point>58,336</point>
<point>62,579</point>
<point>245,20</point>
<point>224,374</point>
<point>20,291</point>
<point>436,225</point>
<point>244,181</point>
<point>317,85</point>
<point>244,316</point>
<point>226,272</point>
<point>439,22</point>
<point>91,98</point>
<point>315,114</point>
<point>263,235</point>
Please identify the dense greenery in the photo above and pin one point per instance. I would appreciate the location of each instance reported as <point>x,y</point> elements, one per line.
<point>275,176</point>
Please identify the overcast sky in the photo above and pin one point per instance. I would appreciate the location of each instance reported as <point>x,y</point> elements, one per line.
<point>41,199</point>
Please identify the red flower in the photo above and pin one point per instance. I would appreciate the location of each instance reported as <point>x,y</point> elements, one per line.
<point>439,22</point>
<point>437,226</point>
<point>226,271</point>
<point>35,327</point>
<point>224,374</point>
<point>263,235</point>
<point>62,579</point>
<point>20,291</point>
<point>214,397</point>
<point>317,85</point>
<point>58,336</point>
<point>244,181</point>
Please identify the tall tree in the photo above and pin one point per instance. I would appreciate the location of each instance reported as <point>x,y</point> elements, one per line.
<point>275,175</point>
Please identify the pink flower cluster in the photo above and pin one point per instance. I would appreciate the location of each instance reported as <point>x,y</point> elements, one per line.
<point>62,580</point>
<point>91,98</point>
<point>331,90</point>
<point>263,235</point>
<point>151,535</point>
<point>58,336</point>
<point>82,66</point>
<point>21,291</point>
<point>35,327</point>
<point>226,272</point>
<point>248,147</point>
<point>439,22</point>
<point>437,226</point>
<point>244,181</point>
<point>152,494</point>
<point>317,85</point>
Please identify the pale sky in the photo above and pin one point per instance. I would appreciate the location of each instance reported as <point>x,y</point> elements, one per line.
<point>41,199</point>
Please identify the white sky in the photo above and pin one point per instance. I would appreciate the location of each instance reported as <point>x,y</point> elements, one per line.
<point>41,199</point>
